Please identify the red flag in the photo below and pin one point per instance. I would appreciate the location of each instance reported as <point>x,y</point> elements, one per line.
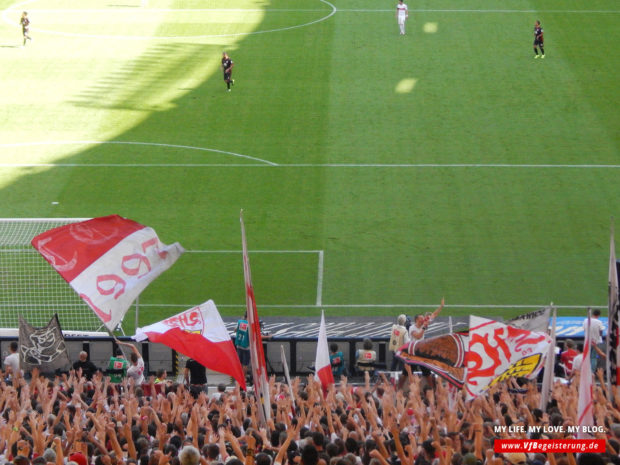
<point>322,366</point>
<point>198,333</point>
<point>585,403</point>
<point>257,356</point>
<point>108,261</point>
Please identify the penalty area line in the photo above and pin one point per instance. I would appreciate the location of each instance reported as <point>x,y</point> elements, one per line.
<point>268,164</point>
<point>474,306</point>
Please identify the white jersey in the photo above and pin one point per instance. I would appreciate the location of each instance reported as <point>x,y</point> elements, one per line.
<point>137,371</point>
<point>402,10</point>
<point>596,330</point>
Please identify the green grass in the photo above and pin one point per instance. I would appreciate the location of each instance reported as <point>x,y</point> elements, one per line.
<point>315,92</point>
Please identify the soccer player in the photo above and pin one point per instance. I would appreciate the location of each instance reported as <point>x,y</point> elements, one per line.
<point>25,22</point>
<point>402,13</point>
<point>539,40</point>
<point>227,66</point>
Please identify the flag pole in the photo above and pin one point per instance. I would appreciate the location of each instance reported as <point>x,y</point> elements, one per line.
<point>585,400</point>
<point>547,384</point>
<point>287,375</point>
<point>257,355</point>
<point>613,323</point>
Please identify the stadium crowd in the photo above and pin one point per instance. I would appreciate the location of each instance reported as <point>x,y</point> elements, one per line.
<point>78,421</point>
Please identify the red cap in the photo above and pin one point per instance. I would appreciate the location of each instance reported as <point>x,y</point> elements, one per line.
<point>78,458</point>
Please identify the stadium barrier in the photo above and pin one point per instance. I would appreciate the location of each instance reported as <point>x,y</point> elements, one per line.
<point>300,353</point>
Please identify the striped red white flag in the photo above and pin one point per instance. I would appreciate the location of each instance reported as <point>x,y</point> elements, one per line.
<point>322,366</point>
<point>198,333</point>
<point>257,355</point>
<point>108,261</point>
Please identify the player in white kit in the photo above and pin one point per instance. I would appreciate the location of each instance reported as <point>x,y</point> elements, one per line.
<point>402,13</point>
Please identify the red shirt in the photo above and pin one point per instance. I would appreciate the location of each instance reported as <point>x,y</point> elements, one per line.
<point>567,358</point>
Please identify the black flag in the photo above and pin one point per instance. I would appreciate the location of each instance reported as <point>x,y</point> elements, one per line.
<point>43,348</point>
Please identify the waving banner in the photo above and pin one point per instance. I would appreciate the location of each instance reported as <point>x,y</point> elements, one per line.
<point>443,355</point>
<point>198,333</point>
<point>497,352</point>
<point>108,261</point>
<point>43,348</point>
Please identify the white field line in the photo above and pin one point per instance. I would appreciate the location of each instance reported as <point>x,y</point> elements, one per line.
<point>319,281</point>
<point>263,162</point>
<point>502,306</point>
<point>19,6</point>
<point>147,10</point>
<point>119,142</point>
<point>301,165</point>
<point>454,10</point>
<point>254,251</point>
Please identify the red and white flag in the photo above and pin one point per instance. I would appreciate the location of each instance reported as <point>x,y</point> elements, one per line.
<point>198,333</point>
<point>108,261</point>
<point>322,366</point>
<point>585,402</point>
<point>257,355</point>
<point>498,352</point>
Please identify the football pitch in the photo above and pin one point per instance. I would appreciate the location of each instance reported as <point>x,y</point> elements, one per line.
<point>377,172</point>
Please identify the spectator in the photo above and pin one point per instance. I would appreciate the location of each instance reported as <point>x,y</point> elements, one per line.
<point>398,336</point>
<point>596,336</point>
<point>11,361</point>
<point>336,360</point>
<point>136,370</point>
<point>189,455</point>
<point>195,376</point>
<point>242,344</point>
<point>88,368</point>
<point>117,367</point>
<point>366,357</point>
<point>568,355</point>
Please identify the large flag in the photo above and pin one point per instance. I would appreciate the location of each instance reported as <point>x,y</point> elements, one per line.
<point>322,365</point>
<point>257,355</point>
<point>585,402</point>
<point>497,352</point>
<point>108,261</point>
<point>198,333</point>
<point>613,332</point>
<point>443,355</point>
<point>43,348</point>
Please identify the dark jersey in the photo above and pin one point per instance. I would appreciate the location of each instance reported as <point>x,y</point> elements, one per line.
<point>226,64</point>
<point>88,368</point>
<point>197,372</point>
<point>25,23</point>
<point>538,35</point>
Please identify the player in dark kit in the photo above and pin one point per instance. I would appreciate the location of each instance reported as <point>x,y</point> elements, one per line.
<point>227,66</point>
<point>539,40</point>
<point>25,22</point>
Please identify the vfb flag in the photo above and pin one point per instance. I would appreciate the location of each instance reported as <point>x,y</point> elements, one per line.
<point>108,261</point>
